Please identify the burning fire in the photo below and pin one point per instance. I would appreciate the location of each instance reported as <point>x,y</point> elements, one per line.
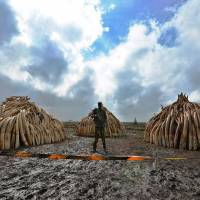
<point>23,154</point>
<point>137,158</point>
<point>56,156</point>
<point>96,157</point>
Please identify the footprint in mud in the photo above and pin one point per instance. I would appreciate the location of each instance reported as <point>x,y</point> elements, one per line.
<point>36,194</point>
<point>12,175</point>
<point>42,191</point>
<point>30,196</point>
<point>23,188</point>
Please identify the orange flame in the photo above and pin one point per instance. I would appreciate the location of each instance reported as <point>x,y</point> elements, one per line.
<point>96,157</point>
<point>136,158</point>
<point>56,156</point>
<point>23,154</point>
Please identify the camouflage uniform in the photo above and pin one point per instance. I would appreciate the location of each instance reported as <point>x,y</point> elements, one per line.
<point>99,116</point>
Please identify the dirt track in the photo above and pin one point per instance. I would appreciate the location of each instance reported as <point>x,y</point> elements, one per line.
<point>75,179</point>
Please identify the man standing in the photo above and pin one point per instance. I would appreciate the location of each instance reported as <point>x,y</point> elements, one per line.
<point>99,117</point>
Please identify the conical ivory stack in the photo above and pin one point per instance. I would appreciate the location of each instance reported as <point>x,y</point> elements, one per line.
<point>176,126</point>
<point>22,123</point>
<point>114,127</point>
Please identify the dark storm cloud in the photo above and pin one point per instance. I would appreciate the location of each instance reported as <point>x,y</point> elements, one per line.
<point>48,62</point>
<point>64,108</point>
<point>147,100</point>
<point>8,27</point>
<point>127,86</point>
<point>147,104</point>
<point>194,78</point>
<point>70,108</point>
<point>10,88</point>
<point>83,100</point>
<point>84,89</point>
<point>193,72</point>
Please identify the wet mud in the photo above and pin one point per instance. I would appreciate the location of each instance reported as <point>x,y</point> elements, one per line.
<point>33,178</point>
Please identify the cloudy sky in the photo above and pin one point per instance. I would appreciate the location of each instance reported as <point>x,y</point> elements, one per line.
<point>133,55</point>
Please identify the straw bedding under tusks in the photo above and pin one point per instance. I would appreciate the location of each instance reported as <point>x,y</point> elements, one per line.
<point>176,126</point>
<point>114,127</point>
<point>21,124</point>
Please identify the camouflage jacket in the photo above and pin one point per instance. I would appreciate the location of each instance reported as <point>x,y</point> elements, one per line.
<point>99,116</point>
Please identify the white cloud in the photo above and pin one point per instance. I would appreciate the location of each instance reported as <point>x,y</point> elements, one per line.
<point>72,25</point>
<point>155,64</point>
<point>195,96</point>
<point>75,25</point>
<point>68,18</point>
<point>107,67</point>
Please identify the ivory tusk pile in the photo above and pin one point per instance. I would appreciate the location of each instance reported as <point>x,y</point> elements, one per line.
<point>22,123</point>
<point>176,126</point>
<point>114,127</point>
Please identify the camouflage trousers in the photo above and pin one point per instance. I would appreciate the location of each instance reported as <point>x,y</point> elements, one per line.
<point>99,133</point>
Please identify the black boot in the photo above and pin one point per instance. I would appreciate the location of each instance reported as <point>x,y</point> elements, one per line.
<point>104,147</point>
<point>94,151</point>
<point>94,148</point>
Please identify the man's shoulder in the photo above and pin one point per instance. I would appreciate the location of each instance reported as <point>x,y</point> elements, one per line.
<point>95,110</point>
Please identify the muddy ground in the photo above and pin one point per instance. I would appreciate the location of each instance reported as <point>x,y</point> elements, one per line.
<point>34,178</point>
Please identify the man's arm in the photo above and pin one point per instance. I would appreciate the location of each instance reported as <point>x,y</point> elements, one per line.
<point>93,113</point>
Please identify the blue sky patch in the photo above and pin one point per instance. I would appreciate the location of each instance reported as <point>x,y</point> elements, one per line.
<point>128,12</point>
<point>168,37</point>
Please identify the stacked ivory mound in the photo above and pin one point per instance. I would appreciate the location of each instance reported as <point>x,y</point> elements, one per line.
<point>23,123</point>
<point>114,127</point>
<point>176,126</point>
